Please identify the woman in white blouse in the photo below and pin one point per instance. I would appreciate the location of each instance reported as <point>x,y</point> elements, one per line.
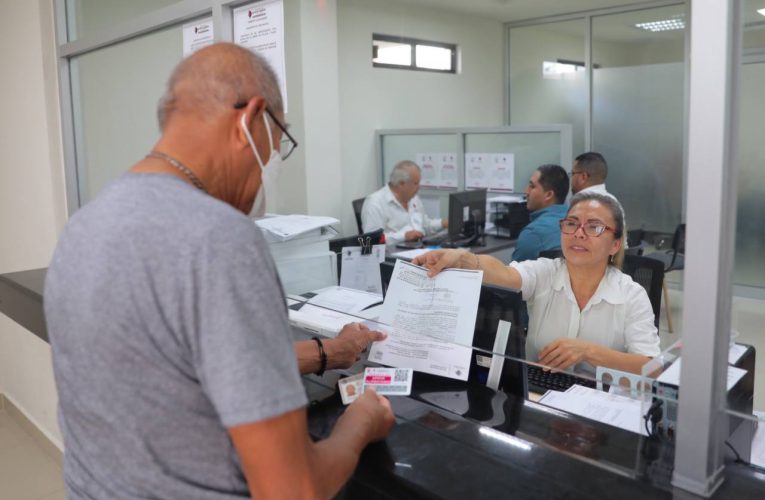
<point>583,311</point>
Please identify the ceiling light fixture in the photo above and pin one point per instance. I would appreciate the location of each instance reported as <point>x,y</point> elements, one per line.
<point>676,23</point>
<point>761,12</point>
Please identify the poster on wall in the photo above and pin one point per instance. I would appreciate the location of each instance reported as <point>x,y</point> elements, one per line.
<point>477,170</point>
<point>259,27</point>
<point>447,165</point>
<point>502,172</point>
<point>430,177</point>
<point>197,35</point>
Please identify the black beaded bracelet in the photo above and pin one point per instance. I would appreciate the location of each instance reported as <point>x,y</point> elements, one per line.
<point>322,356</point>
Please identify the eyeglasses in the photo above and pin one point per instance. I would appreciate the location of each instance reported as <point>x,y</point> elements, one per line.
<point>288,143</point>
<point>592,228</point>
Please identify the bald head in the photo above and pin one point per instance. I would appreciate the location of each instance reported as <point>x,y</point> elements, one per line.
<point>214,79</point>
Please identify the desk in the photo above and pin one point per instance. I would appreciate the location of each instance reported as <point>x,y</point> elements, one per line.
<point>476,443</point>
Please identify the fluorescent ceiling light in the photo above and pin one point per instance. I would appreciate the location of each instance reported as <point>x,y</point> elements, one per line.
<point>676,23</point>
<point>761,12</point>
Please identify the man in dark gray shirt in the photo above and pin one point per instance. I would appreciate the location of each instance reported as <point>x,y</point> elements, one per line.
<point>171,347</point>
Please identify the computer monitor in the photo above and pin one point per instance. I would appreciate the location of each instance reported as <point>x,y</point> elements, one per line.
<point>467,215</point>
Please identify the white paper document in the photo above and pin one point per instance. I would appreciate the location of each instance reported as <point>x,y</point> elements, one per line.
<point>345,300</point>
<point>286,227</point>
<point>430,321</point>
<point>672,375</point>
<point>259,26</point>
<point>611,409</point>
<point>735,352</point>
<point>446,163</point>
<point>477,170</point>
<point>430,173</point>
<point>197,35</point>
<point>362,272</point>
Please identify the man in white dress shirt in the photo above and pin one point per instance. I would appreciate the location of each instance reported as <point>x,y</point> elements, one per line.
<point>588,174</point>
<point>397,209</point>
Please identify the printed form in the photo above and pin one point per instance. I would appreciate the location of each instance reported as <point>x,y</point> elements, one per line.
<point>429,321</point>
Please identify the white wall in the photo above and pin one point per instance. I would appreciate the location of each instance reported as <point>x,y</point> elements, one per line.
<point>32,206</point>
<point>380,98</point>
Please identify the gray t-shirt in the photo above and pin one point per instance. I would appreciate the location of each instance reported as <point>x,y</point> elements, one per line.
<point>168,324</point>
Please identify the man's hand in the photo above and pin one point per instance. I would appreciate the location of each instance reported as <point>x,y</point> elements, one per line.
<point>564,353</point>
<point>444,223</point>
<point>413,235</point>
<point>346,348</point>
<point>371,412</point>
<point>438,260</point>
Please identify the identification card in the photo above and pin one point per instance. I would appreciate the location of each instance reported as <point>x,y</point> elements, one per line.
<point>389,381</point>
<point>351,388</point>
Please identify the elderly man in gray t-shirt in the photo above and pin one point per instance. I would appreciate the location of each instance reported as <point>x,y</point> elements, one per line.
<point>172,352</point>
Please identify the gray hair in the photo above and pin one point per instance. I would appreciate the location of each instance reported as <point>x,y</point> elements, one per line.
<point>216,78</point>
<point>402,172</point>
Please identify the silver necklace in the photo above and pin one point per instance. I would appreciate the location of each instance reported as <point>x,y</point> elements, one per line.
<point>180,166</point>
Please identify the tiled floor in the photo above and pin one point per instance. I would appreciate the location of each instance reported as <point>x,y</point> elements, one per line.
<point>26,471</point>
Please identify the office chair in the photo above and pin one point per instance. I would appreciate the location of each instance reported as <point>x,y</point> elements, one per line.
<point>551,254</point>
<point>672,259</point>
<point>357,206</point>
<point>650,274</point>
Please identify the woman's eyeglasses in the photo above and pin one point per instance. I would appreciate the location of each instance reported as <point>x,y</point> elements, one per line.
<point>591,227</point>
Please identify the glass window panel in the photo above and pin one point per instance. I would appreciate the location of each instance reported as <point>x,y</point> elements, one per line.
<point>754,24</point>
<point>392,53</point>
<point>86,17</point>
<point>638,110</point>
<point>430,57</point>
<point>116,90</point>
<point>547,83</point>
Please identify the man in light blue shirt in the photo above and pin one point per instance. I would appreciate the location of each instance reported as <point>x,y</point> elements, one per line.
<point>545,197</point>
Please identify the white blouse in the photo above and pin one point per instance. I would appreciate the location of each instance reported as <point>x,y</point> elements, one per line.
<point>618,316</point>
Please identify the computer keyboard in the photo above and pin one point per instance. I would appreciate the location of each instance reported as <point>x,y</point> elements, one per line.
<point>435,240</point>
<point>541,381</point>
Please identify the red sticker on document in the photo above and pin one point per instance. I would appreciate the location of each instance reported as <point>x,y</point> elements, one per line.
<point>351,388</point>
<point>389,381</point>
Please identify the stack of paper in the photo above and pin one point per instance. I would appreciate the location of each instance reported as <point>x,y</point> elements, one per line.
<point>300,247</point>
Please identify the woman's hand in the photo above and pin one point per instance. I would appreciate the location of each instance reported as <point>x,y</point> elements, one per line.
<point>565,353</point>
<point>436,261</point>
<point>345,349</point>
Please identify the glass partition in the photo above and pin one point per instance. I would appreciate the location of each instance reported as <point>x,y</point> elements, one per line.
<point>87,17</point>
<point>638,112</point>
<point>114,133</point>
<point>547,77</point>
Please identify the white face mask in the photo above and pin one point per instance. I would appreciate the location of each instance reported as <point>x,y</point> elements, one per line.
<point>268,172</point>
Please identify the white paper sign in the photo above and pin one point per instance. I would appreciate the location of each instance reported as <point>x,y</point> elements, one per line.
<point>362,272</point>
<point>430,175</point>
<point>197,35</point>
<point>259,27</point>
<point>477,167</point>
<point>447,165</point>
<point>502,172</point>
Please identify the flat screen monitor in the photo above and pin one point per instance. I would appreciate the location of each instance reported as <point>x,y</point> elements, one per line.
<point>467,214</point>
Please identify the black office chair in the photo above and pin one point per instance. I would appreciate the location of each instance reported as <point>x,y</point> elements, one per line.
<point>672,259</point>
<point>551,254</point>
<point>357,206</point>
<point>635,242</point>
<point>650,274</point>
<point>338,244</point>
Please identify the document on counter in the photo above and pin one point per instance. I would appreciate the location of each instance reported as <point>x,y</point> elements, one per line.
<point>411,254</point>
<point>612,409</point>
<point>362,272</point>
<point>346,300</point>
<point>672,375</point>
<point>320,320</point>
<point>430,321</point>
<point>286,227</point>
